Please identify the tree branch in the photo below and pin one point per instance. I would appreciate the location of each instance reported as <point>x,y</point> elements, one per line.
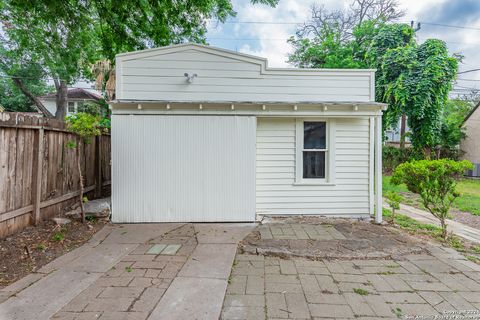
<point>19,83</point>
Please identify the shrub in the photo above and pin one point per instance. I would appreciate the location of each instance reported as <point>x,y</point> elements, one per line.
<point>393,200</point>
<point>435,181</point>
<point>393,156</point>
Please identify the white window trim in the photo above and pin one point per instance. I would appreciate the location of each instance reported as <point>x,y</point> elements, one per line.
<point>329,157</point>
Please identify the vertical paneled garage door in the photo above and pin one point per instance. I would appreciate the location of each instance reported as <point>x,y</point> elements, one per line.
<point>183,168</point>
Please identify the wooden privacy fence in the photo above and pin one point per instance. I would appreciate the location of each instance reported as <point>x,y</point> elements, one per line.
<point>38,173</point>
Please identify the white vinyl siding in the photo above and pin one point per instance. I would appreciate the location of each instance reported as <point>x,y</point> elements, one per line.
<point>222,77</point>
<point>183,168</point>
<point>276,190</point>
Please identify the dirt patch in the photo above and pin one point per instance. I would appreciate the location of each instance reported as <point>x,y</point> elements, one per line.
<point>33,247</point>
<point>362,240</point>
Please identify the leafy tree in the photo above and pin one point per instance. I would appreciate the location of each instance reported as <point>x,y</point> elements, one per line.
<point>85,126</point>
<point>128,25</point>
<point>413,79</point>
<point>12,98</point>
<point>451,131</point>
<point>66,37</point>
<point>435,181</point>
<point>56,35</point>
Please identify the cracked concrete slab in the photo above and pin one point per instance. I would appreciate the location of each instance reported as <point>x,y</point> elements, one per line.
<point>210,261</point>
<point>191,298</point>
<point>48,295</point>
<point>139,233</point>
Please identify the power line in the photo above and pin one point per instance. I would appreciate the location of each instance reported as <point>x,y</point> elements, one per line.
<point>467,71</point>
<point>450,26</point>
<point>296,23</point>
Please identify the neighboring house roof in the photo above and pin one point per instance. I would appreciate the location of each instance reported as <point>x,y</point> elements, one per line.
<point>76,94</point>
<point>471,112</point>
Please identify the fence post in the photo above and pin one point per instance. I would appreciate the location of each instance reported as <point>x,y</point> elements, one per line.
<point>37,174</point>
<point>98,167</point>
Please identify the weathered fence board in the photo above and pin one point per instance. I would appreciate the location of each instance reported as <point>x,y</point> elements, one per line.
<point>38,173</point>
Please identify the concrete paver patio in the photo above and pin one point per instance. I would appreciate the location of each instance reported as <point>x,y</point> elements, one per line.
<point>114,276</point>
<point>436,283</point>
<point>127,272</point>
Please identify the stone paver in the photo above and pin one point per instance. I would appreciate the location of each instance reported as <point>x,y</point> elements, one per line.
<point>417,285</point>
<point>132,272</point>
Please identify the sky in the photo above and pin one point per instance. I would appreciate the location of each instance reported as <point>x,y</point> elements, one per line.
<point>268,39</point>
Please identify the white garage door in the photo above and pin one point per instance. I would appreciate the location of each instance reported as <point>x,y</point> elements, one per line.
<point>183,168</point>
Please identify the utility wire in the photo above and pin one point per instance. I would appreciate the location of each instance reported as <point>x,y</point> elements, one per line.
<point>467,71</point>
<point>297,23</point>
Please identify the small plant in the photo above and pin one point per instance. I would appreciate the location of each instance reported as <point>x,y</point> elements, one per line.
<point>456,243</point>
<point>91,218</point>
<point>41,246</point>
<point>128,269</point>
<point>435,181</point>
<point>473,259</point>
<point>393,200</point>
<point>476,249</point>
<point>58,236</point>
<point>361,291</point>
<point>398,312</point>
<point>85,126</point>
<point>85,199</point>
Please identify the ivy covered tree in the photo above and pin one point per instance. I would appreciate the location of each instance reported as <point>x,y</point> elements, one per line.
<point>414,80</point>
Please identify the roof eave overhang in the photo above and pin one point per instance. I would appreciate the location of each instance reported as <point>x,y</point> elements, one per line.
<point>359,104</point>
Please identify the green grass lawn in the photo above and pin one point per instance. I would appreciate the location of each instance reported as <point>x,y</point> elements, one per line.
<point>469,200</point>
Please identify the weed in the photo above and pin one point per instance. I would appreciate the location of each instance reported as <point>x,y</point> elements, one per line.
<point>476,249</point>
<point>128,269</point>
<point>473,259</point>
<point>361,291</point>
<point>91,218</point>
<point>393,266</point>
<point>58,236</point>
<point>398,312</point>
<point>456,243</point>
<point>41,246</point>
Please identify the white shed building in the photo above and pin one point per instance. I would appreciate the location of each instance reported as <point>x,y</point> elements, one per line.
<point>205,134</point>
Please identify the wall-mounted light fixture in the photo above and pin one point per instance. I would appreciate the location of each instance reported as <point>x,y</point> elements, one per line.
<point>190,77</point>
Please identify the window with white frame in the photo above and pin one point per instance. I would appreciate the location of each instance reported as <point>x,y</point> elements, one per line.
<point>314,149</point>
<point>314,155</point>
<point>71,107</point>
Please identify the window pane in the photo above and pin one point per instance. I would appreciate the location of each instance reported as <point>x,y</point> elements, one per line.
<point>314,135</point>
<point>313,164</point>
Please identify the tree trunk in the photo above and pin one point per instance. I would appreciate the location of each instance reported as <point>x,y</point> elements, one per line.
<point>19,83</point>
<point>79,167</point>
<point>403,127</point>
<point>444,229</point>
<point>62,93</point>
<point>427,152</point>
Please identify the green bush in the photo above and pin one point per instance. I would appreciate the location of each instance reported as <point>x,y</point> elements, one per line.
<point>392,157</point>
<point>435,181</point>
<point>393,200</point>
